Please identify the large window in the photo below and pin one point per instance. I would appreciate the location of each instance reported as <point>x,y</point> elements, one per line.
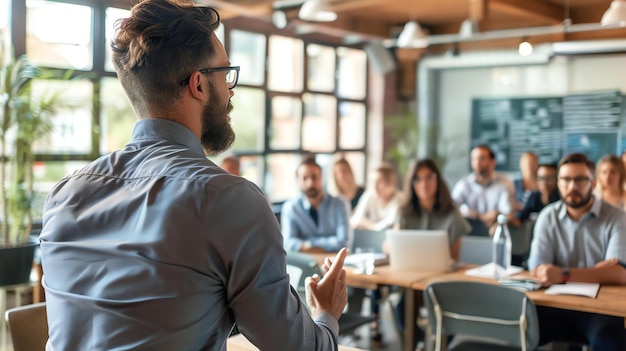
<point>294,96</point>
<point>299,106</point>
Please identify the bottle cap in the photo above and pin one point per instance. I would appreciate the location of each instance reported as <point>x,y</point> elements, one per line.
<point>501,218</point>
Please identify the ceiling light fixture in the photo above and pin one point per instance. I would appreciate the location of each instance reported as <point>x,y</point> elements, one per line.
<point>412,36</point>
<point>616,14</point>
<point>525,47</point>
<point>317,11</point>
<point>279,19</point>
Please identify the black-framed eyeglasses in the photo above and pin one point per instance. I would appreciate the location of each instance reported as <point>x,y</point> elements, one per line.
<point>232,75</point>
<point>578,181</point>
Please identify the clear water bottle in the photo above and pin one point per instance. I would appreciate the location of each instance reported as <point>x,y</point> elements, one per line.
<point>501,248</point>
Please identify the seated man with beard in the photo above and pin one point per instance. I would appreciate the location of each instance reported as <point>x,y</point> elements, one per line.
<point>583,239</point>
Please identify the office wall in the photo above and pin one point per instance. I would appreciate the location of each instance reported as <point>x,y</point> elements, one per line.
<point>562,75</point>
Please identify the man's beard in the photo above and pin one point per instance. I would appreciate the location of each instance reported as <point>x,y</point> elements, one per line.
<point>217,135</point>
<point>584,200</point>
<point>311,193</point>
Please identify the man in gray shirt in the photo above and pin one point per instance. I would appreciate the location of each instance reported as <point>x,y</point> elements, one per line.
<point>154,247</point>
<point>583,239</point>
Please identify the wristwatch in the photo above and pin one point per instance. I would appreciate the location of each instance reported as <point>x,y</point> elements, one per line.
<point>565,274</point>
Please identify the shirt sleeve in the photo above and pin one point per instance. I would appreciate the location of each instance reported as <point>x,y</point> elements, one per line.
<point>460,226</point>
<point>542,247</point>
<point>252,263</point>
<point>504,200</point>
<point>292,239</point>
<point>457,193</point>
<point>616,247</point>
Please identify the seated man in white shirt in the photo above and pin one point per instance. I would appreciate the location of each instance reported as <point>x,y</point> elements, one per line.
<point>483,194</point>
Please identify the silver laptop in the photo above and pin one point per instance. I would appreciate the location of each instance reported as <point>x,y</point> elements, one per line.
<point>425,250</point>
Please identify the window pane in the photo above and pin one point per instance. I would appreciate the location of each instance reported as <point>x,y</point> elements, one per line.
<point>219,32</point>
<point>71,127</point>
<point>117,116</point>
<point>112,15</point>
<point>248,119</point>
<point>59,34</point>
<point>248,51</point>
<point>280,177</point>
<point>46,175</point>
<point>352,73</point>
<point>285,64</point>
<point>4,29</point>
<point>318,126</point>
<point>285,123</point>
<point>351,125</point>
<point>321,68</point>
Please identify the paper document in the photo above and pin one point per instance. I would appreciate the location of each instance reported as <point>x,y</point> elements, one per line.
<point>487,271</point>
<point>582,289</point>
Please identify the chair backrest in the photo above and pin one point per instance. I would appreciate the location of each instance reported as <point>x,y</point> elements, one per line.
<point>300,266</point>
<point>482,310</point>
<point>365,240</point>
<point>28,326</point>
<point>476,250</point>
<point>521,237</point>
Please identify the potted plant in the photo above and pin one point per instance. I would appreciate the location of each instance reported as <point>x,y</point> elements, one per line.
<point>24,118</point>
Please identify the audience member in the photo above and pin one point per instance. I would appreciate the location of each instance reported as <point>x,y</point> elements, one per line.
<point>426,204</point>
<point>346,183</point>
<point>483,194</point>
<point>378,208</point>
<point>580,238</point>
<point>231,165</point>
<point>527,183</point>
<point>314,221</point>
<point>547,193</point>
<point>610,175</point>
<point>154,248</point>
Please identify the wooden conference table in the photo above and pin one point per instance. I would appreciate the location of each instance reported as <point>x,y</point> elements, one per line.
<point>240,343</point>
<point>611,300</point>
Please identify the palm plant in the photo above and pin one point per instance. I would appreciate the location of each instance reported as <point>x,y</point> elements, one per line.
<point>24,118</point>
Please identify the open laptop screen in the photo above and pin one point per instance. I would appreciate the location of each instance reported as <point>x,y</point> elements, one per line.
<point>426,250</point>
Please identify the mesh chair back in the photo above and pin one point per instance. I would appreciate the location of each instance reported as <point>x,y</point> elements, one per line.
<point>482,310</point>
<point>476,250</point>
<point>365,240</point>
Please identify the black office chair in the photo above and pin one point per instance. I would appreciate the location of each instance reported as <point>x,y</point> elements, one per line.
<point>300,266</point>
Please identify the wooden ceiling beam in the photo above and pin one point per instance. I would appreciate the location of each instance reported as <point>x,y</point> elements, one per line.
<point>533,9</point>
<point>229,9</point>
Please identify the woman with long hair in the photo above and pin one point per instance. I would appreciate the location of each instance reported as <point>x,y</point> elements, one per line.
<point>427,204</point>
<point>378,208</point>
<point>346,183</point>
<point>610,175</point>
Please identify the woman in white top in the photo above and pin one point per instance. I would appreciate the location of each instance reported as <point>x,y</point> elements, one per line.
<point>377,209</point>
<point>610,175</point>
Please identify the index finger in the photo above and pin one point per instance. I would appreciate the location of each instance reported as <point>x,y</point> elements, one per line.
<point>337,265</point>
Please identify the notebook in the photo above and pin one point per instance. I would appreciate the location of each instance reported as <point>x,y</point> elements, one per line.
<point>425,250</point>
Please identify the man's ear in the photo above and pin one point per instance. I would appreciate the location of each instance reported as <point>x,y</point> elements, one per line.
<point>195,85</point>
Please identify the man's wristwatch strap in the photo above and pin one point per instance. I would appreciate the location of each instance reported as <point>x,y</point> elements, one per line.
<point>565,274</point>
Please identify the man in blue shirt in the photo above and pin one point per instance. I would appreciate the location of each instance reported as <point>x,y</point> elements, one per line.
<point>154,247</point>
<point>314,221</point>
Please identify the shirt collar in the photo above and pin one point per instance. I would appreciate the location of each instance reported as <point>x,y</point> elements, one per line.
<point>594,210</point>
<point>305,201</point>
<point>157,128</point>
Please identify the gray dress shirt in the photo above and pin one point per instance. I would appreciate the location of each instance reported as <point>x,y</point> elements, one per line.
<point>599,235</point>
<point>154,247</point>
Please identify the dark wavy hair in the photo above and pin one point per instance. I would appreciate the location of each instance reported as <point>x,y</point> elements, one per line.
<point>158,46</point>
<point>410,203</point>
